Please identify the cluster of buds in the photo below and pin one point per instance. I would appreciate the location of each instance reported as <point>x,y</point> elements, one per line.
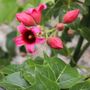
<point>31,33</point>
<point>69,17</point>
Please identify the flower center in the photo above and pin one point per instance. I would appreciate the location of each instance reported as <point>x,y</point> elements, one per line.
<point>29,37</point>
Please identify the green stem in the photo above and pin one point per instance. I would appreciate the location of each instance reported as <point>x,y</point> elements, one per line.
<point>83,50</point>
<point>75,56</point>
<point>69,1</point>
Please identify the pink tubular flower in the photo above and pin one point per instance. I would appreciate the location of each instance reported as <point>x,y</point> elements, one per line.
<point>32,16</point>
<point>28,37</point>
<point>71,16</point>
<point>55,42</point>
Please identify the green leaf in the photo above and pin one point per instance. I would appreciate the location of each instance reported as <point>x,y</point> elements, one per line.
<point>85,32</point>
<point>69,77</point>
<point>66,76</point>
<point>46,71</point>
<point>29,74</point>
<point>39,60</point>
<point>7,86</point>
<point>10,69</point>
<point>32,74</point>
<point>82,86</point>
<point>14,79</point>
<point>43,83</point>
<point>8,8</point>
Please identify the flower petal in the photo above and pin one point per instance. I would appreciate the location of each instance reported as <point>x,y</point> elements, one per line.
<point>19,41</point>
<point>35,14</point>
<point>30,48</point>
<point>21,28</point>
<point>41,7</point>
<point>29,11</point>
<point>40,40</point>
<point>35,30</point>
<point>25,19</point>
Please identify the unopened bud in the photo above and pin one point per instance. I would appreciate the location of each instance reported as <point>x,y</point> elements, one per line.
<point>60,26</point>
<point>55,42</point>
<point>71,16</point>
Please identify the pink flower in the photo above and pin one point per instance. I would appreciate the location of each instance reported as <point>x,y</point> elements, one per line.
<point>32,16</point>
<point>36,13</point>
<point>28,37</point>
<point>55,42</point>
<point>71,16</point>
<point>25,19</point>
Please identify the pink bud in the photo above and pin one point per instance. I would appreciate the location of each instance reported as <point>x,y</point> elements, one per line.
<point>71,16</point>
<point>55,42</point>
<point>41,7</point>
<point>25,19</point>
<point>60,26</point>
<point>36,13</point>
<point>70,32</point>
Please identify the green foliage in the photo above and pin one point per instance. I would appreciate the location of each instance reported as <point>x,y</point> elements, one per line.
<point>53,74</point>
<point>82,86</point>
<point>14,80</point>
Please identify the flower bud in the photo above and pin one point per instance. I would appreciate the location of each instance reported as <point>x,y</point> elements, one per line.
<point>60,26</point>
<point>70,32</point>
<point>71,16</point>
<point>25,19</point>
<point>36,13</point>
<point>55,42</point>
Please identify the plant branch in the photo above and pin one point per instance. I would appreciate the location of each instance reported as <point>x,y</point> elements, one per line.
<point>75,56</point>
<point>83,50</point>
